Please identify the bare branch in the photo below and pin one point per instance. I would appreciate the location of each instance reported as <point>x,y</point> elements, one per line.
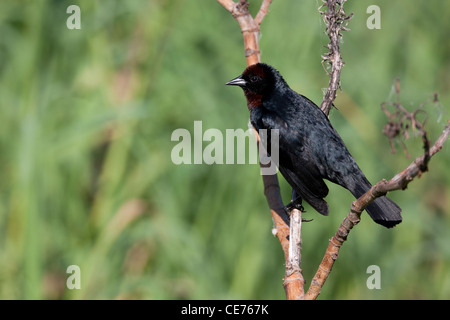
<point>275,202</point>
<point>249,28</point>
<point>398,182</point>
<point>293,281</point>
<point>335,21</point>
<point>228,4</point>
<point>294,284</point>
<point>263,11</point>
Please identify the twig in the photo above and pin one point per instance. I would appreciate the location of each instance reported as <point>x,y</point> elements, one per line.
<point>400,121</point>
<point>398,182</point>
<point>263,11</point>
<point>335,21</point>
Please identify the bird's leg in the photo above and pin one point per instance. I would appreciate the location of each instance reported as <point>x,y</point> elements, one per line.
<point>295,203</point>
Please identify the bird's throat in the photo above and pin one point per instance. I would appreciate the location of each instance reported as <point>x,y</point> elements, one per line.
<point>253,99</point>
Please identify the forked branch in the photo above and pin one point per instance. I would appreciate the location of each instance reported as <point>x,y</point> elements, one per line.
<point>250,28</point>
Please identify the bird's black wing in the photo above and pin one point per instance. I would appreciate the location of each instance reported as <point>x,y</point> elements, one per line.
<point>296,164</point>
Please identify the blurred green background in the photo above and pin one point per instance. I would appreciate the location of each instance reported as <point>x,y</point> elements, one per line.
<point>85,150</point>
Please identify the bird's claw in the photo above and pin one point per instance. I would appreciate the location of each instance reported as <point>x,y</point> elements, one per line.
<point>290,206</point>
<point>295,203</point>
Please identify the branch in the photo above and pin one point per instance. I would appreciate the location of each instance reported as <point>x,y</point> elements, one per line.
<point>294,283</point>
<point>398,182</point>
<point>289,235</point>
<point>227,4</point>
<point>263,11</point>
<point>250,28</point>
<point>275,202</point>
<point>335,21</point>
<point>400,121</point>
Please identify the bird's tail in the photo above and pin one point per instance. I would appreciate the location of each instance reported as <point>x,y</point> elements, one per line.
<point>383,210</point>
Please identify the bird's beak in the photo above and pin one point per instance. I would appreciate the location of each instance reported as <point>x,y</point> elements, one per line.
<point>239,81</point>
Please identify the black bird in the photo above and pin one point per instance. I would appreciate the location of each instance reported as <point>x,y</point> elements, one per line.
<point>310,149</point>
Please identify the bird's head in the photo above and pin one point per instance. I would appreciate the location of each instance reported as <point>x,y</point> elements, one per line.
<point>258,81</point>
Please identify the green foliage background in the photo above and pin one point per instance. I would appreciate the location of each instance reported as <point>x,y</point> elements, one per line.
<point>86,118</point>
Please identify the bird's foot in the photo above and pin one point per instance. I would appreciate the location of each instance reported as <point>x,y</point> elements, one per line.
<point>295,204</point>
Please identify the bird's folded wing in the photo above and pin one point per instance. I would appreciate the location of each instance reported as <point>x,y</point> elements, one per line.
<point>297,167</point>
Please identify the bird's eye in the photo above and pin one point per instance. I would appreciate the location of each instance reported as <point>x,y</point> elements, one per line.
<point>254,79</point>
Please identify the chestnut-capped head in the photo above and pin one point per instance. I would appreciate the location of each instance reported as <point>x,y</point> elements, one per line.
<point>258,81</point>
